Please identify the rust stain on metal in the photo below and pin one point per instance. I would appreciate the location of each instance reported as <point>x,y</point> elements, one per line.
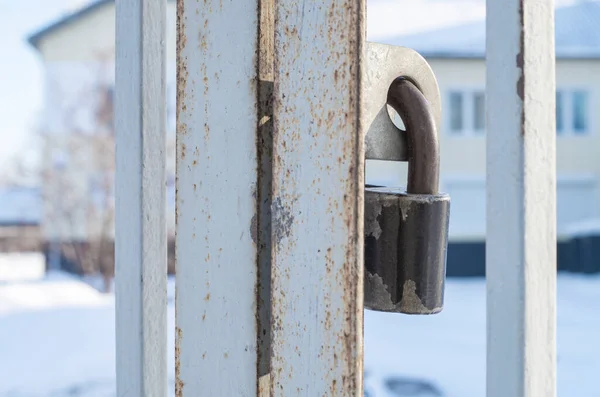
<point>181,130</point>
<point>202,44</point>
<point>182,66</point>
<point>521,67</point>
<point>334,119</point>
<point>178,382</point>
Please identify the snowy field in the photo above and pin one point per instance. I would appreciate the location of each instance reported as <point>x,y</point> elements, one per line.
<point>57,339</point>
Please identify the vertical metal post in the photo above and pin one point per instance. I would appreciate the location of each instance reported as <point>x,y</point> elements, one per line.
<point>521,195</point>
<point>141,246</point>
<point>317,210</point>
<point>265,185</point>
<point>217,209</point>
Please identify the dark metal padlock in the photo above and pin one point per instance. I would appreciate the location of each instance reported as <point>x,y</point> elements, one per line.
<point>406,233</point>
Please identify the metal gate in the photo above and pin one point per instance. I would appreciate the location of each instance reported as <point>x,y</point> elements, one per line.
<point>271,100</point>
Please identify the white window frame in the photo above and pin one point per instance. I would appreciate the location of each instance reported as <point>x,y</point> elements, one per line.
<point>468,112</point>
<point>568,114</point>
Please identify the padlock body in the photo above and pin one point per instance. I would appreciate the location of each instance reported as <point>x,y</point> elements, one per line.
<point>406,242</point>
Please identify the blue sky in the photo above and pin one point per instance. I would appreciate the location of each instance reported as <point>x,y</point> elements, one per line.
<point>21,73</point>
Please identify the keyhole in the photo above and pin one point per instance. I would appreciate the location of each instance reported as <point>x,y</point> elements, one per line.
<point>395,118</point>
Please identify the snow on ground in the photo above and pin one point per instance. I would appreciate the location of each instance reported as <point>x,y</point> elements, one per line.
<point>21,266</point>
<point>57,340</point>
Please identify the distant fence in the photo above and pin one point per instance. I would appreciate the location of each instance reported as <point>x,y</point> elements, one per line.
<point>578,254</point>
<point>92,257</point>
<point>575,254</point>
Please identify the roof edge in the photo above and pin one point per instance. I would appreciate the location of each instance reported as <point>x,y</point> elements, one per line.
<point>35,38</point>
<point>481,56</point>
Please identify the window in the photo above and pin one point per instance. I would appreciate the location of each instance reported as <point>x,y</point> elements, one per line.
<point>456,111</point>
<point>559,112</point>
<point>479,111</point>
<point>579,111</point>
<point>466,112</point>
<point>572,112</point>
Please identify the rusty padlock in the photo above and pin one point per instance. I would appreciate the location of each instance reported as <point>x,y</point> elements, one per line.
<point>406,232</point>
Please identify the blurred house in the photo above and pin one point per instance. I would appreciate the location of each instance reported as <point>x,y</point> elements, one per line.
<point>78,158</point>
<point>457,56</point>
<point>78,56</point>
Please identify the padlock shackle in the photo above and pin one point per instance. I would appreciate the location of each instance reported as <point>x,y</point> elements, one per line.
<point>421,136</point>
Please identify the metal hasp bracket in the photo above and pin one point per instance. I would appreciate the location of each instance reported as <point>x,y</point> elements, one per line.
<point>406,232</point>
<point>382,65</point>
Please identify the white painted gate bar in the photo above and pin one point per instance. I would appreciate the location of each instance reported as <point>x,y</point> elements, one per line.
<point>216,249</point>
<point>521,196</point>
<point>140,242</point>
<point>317,211</point>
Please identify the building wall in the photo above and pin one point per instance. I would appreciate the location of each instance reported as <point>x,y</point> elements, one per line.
<point>94,34</point>
<point>463,156</point>
<point>79,59</point>
<point>78,129</point>
<point>463,165</point>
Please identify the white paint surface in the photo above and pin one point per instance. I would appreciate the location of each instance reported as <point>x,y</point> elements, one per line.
<point>216,253</point>
<point>317,287</point>
<point>141,246</point>
<point>521,199</point>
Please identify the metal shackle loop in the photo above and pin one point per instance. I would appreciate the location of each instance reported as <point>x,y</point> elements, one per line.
<point>421,136</point>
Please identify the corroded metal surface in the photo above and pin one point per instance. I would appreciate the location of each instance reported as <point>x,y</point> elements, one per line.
<point>406,239</point>
<point>216,300</point>
<point>421,136</point>
<point>383,64</point>
<point>317,206</point>
<point>406,233</point>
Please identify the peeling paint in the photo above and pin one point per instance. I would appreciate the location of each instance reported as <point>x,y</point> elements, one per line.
<point>381,297</point>
<point>404,207</point>
<point>283,219</point>
<point>372,226</point>
<point>411,303</point>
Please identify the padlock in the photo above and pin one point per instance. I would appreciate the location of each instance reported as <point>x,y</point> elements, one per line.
<point>406,232</point>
